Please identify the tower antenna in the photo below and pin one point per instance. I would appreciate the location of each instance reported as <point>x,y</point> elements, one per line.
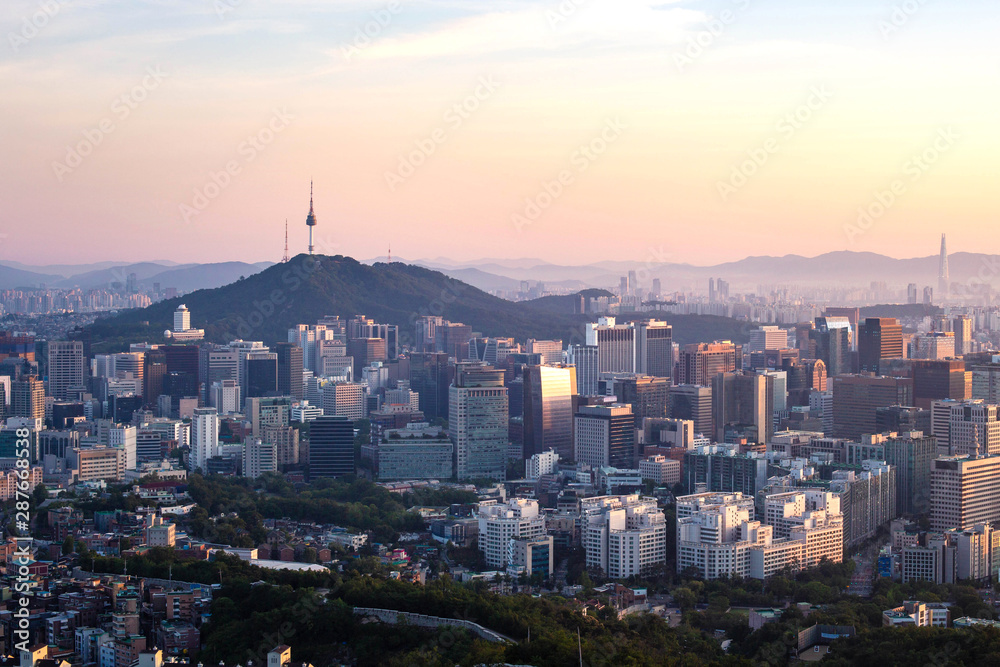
<point>311,218</point>
<point>285,258</point>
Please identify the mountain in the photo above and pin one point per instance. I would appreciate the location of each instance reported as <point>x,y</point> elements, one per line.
<point>183,277</point>
<point>13,278</point>
<point>832,269</point>
<point>263,306</point>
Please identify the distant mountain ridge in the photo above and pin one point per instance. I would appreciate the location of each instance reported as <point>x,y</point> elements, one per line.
<point>183,277</point>
<point>838,268</point>
<point>265,305</point>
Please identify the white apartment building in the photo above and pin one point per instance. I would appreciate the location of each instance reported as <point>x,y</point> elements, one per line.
<point>540,464</point>
<point>204,437</point>
<point>717,535</point>
<point>623,535</point>
<point>499,524</point>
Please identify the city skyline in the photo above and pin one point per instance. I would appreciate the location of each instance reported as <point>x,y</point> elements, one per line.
<point>203,124</point>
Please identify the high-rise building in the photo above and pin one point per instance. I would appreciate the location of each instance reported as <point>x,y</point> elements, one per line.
<point>550,350</point>
<point>857,397</point>
<point>584,358</point>
<point>986,382</point>
<point>431,376</point>
<point>693,402</point>
<point>944,280</point>
<point>878,338</point>
<point>286,442</point>
<point>767,338</point>
<point>519,518</point>
<point>654,348</point>
<point>912,455</point>
<point>962,327</point>
<point>548,409</point>
<point>721,468</point>
<point>831,340</point>
<point>719,537</point>
<point>964,492</point>
<point>204,438</point>
<point>973,427</point>
<point>365,351</point>
<point>623,536</point>
<point>935,380</point>
<point>649,396</point>
<point>452,338</point>
<point>261,374</point>
<point>259,457</point>
<point>933,345</point>
<point>743,406</point>
<point>902,419</point>
<point>344,399</point>
<point>331,447</point>
<point>66,369</point>
<point>478,422</point>
<point>290,370</point>
<point>911,293</point>
<point>615,345</point>
<point>28,397</point>
<point>604,435</point>
<point>700,362</point>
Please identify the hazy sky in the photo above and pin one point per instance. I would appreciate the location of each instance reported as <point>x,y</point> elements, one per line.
<point>699,131</point>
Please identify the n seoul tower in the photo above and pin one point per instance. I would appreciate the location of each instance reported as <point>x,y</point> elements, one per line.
<point>311,218</point>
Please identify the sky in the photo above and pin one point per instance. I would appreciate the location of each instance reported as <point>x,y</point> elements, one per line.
<point>697,131</point>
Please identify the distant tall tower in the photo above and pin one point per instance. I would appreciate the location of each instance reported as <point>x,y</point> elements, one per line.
<point>285,257</point>
<point>943,278</point>
<point>311,218</point>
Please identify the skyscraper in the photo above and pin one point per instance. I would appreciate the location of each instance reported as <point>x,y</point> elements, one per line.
<point>654,348</point>
<point>856,399</point>
<point>944,279</point>
<point>605,436</point>
<point>66,368</point>
<point>290,370</point>
<point>832,341</point>
<point>962,326</point>
<point>878,338</point>
<point>693,402</point>
<point>430,377</point>
<point>701,362</point>
<point>28,398</point>
<point>648,395</point>
<point>615,345</point>
<point>743,406</point>
<point>204,438</point>
<point>584,357</point>
<point>478,421</point>
<point>331,447</point>
<point>548,409</point>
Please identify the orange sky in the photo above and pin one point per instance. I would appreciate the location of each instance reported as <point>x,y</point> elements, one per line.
<point>574,131</point>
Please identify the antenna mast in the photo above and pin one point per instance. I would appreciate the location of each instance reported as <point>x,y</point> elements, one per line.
<point>284,259</point>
